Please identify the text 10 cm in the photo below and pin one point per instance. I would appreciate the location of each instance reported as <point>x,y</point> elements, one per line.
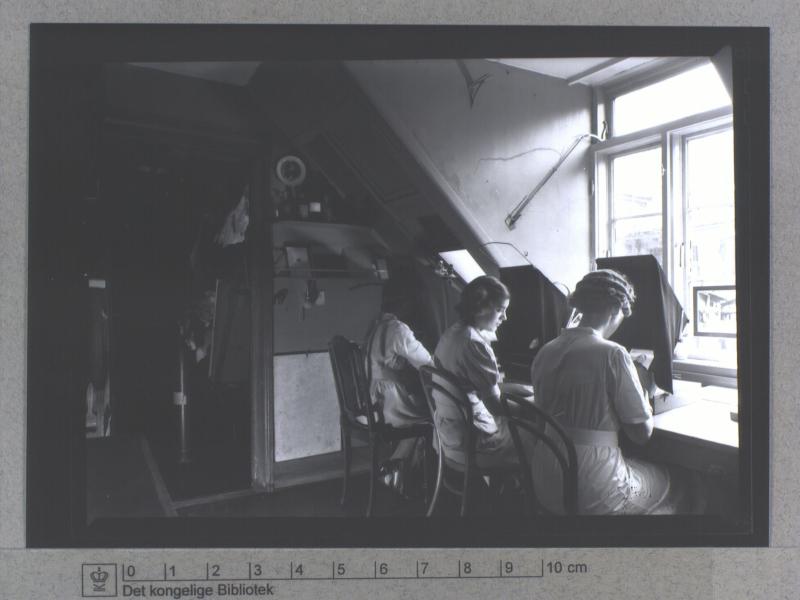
<point>556,567</point>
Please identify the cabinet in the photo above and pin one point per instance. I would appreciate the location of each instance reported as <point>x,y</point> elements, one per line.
<point>311,304</point>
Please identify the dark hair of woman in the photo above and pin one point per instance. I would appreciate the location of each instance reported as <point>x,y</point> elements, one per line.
<point>401,296</point>
<point>603,292</point>
<point>479,294</point>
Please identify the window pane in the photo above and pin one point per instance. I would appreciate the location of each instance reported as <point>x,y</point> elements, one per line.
<point>636,226</point>
<point>637,184</point>
<point>710,233</point>
<point>463,264</point>
<point>640,235</point>
<point>710,210</point>
<point>688,93</point>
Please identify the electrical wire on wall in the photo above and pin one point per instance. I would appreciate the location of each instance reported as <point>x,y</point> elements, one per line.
<point>524,255</point>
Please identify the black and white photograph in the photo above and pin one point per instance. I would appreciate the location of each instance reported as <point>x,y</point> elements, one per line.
<point>413,286</point>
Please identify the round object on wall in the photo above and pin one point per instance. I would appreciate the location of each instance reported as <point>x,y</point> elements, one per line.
<point>291,170</point>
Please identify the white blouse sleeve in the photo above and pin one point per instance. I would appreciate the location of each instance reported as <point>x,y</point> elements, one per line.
<point>629,399</point>
<point>482,370</point>
<point>407,346</point>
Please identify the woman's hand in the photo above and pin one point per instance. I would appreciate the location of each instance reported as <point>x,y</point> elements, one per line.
<point>518,389</point>
<point>639,433</point>
<point>646,379</point>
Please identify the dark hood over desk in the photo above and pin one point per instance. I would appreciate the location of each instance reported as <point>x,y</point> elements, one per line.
<point>536,314</point>
<point>658,317</point>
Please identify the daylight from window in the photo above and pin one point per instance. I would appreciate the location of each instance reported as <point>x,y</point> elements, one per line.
<point>692,163</point>
<point>689,93</point>
<point>710,235</point>
<point>636,204</point>
<point>463,264</point>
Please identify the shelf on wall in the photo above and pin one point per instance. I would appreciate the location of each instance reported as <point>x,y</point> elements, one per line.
<point>326,250</point>
<point>336,236</point>
<point>366,274</point>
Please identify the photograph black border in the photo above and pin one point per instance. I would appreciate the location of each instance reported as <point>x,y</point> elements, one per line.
<point>55,461</point>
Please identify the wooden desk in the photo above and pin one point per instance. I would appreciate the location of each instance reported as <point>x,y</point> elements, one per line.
<point>703,420</point>
<point>699,435</point>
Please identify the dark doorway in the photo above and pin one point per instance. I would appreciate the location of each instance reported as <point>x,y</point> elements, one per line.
<point>156,241</point>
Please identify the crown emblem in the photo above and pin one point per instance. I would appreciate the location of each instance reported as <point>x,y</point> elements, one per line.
<point>99,579</point>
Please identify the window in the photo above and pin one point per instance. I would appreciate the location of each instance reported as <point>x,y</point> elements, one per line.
<point>665,186</point>
<point>636,204</point>
<point>691,92</point>
<point>709,246</point>
<point>463,264</point>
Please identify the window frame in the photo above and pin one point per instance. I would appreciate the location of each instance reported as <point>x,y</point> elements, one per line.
<point>649,144</point>
<point>673,138</point>
<point>680,142</point>
<point>609,92</point>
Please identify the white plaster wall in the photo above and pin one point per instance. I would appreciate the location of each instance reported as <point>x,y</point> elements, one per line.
<point>492,154</point>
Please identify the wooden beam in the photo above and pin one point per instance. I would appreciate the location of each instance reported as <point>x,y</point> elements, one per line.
<point>595,70</point>
<point>262,403</point>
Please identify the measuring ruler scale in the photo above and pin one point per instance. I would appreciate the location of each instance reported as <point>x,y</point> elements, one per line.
<point>244,579</point>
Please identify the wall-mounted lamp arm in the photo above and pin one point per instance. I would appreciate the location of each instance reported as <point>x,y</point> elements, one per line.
<point>516,213</point>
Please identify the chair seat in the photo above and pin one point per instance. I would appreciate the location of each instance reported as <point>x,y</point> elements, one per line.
<point>443,391</point>
<point>391,432</point>
<point>363,419</point>
<point>398,433</point>
<point>497,470</point>
<point>358,417</point>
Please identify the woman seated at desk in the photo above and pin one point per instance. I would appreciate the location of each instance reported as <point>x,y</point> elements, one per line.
<point>394,355</point>
<point>590,385</point>
<point>465,351</point>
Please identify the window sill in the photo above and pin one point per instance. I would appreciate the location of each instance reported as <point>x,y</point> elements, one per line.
<point>704,372</point>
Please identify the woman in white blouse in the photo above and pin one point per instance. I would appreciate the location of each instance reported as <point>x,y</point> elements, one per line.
<point>590,385</point>
<point>393,357</point>
<point>465,351</point>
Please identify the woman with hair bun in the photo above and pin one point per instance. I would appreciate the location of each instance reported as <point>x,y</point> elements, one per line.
<point>465,351</point>
<point>590,385</point>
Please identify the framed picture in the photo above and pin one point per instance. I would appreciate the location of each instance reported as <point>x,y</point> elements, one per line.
<point>297,257</point>
<point>714,308</point>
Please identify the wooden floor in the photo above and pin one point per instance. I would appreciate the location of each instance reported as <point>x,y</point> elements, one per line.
<point>122,480</point>
<point>125,480</point>
<point>322,500</point>
<point>214,469</point>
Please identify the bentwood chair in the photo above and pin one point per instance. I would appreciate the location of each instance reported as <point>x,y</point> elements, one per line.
<point>359,419</point>
<point>524,415</point>
<point>447,400</point>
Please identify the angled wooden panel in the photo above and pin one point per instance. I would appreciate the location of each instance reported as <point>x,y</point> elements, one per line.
<point>306,409</point>
<point>367,143</point>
